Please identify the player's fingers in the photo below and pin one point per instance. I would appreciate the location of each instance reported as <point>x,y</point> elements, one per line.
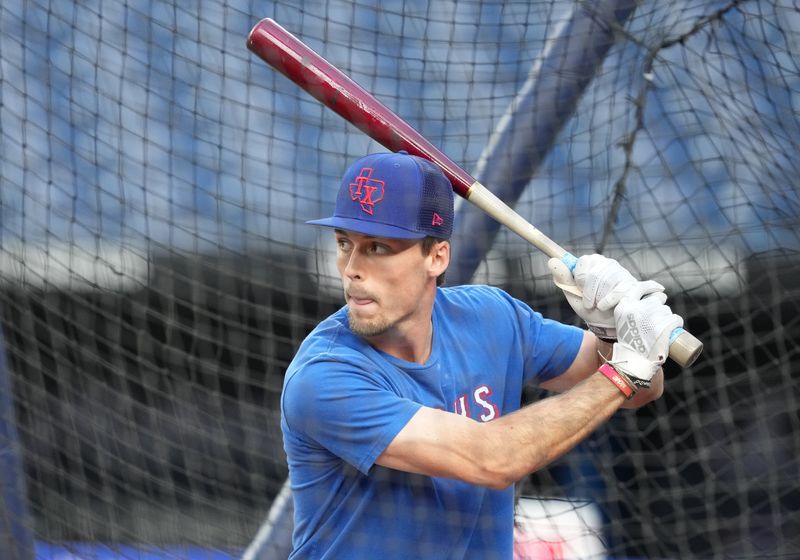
<point>649,287</point>
<point>599,277</point>
<point>659,297</point>
<point>633,289</point>
<point>561,273</point>
<point>668,324</point>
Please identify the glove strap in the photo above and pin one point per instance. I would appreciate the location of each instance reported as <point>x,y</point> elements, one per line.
<point>617,379</point>
<point>606,334</point>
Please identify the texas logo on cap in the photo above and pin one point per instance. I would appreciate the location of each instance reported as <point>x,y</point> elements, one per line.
<point>367,191</point>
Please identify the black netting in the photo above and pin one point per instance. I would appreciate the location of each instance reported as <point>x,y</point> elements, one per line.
<point>156,274</point>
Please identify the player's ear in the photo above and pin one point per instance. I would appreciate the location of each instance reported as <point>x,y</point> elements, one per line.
<point>439,258</point>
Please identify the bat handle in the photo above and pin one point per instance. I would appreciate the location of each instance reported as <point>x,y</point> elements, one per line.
<point>684,347</point>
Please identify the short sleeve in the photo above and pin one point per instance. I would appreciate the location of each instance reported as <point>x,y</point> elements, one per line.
<point>549,347</point>
<point>553,349</point>
<point>344,409</point>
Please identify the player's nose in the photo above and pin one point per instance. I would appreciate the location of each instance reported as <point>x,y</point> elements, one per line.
<point>353,265</point>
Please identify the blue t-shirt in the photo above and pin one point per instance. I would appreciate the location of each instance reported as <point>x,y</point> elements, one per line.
<point>344,401</point>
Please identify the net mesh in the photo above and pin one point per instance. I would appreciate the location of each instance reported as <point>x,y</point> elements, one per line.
<point>156,275</point>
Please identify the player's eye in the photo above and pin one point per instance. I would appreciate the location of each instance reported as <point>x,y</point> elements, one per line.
<point>378,249</point>
<point>343,244</point>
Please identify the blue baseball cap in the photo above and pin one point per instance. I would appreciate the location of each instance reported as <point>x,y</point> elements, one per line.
<point>394,195</point>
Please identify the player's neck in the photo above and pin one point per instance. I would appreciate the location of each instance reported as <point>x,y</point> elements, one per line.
<point>410,342</point>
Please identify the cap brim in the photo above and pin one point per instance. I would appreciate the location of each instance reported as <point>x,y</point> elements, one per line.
<point>367,228</point>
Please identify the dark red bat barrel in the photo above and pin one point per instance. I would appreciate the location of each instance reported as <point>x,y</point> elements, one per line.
<point>329,85</point>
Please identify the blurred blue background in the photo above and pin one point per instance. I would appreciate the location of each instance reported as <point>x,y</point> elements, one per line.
<point>148,122</point>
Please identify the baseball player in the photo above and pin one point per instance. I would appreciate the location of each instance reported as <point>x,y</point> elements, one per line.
<point>401,412</point>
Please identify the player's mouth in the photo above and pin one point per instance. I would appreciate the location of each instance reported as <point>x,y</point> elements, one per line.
<point>359,299</point>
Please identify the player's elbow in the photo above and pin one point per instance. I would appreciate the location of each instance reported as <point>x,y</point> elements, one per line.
<point>493,476</point>
<point>495,461</point>
<point>482,470</point>
<point>496,469</point>
<point>500,483</point>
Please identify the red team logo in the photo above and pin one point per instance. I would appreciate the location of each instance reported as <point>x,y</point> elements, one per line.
<point>366,190</point>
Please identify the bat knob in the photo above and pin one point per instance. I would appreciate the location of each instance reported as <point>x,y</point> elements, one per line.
<point>685,348</point>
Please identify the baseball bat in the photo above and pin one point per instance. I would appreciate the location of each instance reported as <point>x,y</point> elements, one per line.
<point>337,91</point>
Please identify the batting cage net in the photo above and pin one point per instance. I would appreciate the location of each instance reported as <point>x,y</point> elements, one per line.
<point>156,274</point>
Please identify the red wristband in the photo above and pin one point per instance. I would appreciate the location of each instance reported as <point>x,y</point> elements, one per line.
<point>616,379</point>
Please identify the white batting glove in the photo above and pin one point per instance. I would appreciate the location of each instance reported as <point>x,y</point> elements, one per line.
<point>644,327</point>
<point>604,282</point>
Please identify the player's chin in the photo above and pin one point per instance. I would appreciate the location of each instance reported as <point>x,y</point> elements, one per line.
<point>366,325</point>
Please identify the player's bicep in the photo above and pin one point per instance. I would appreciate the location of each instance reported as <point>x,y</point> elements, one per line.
<point>435,443</point>
<point>346,413</point>
<point>584,365</point>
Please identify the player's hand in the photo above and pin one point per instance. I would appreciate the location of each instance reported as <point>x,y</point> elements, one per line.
<point>643,328</point>
<point>603,282</point>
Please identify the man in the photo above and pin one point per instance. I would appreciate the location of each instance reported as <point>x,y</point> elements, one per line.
<point>401,412</point>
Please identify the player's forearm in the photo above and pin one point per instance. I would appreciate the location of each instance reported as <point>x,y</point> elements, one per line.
<point>534,436</point>
<point>498,453</point>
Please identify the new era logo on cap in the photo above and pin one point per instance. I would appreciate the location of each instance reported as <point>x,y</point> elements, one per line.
<point>394,195</point>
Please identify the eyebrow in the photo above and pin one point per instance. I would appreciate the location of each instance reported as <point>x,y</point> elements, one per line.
<point>343,232</point>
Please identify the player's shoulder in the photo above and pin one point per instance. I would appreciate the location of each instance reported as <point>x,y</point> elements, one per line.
<point>487,305</point>
<point>328,333</point>
<point>330,345</point>
<point>478,296</point>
